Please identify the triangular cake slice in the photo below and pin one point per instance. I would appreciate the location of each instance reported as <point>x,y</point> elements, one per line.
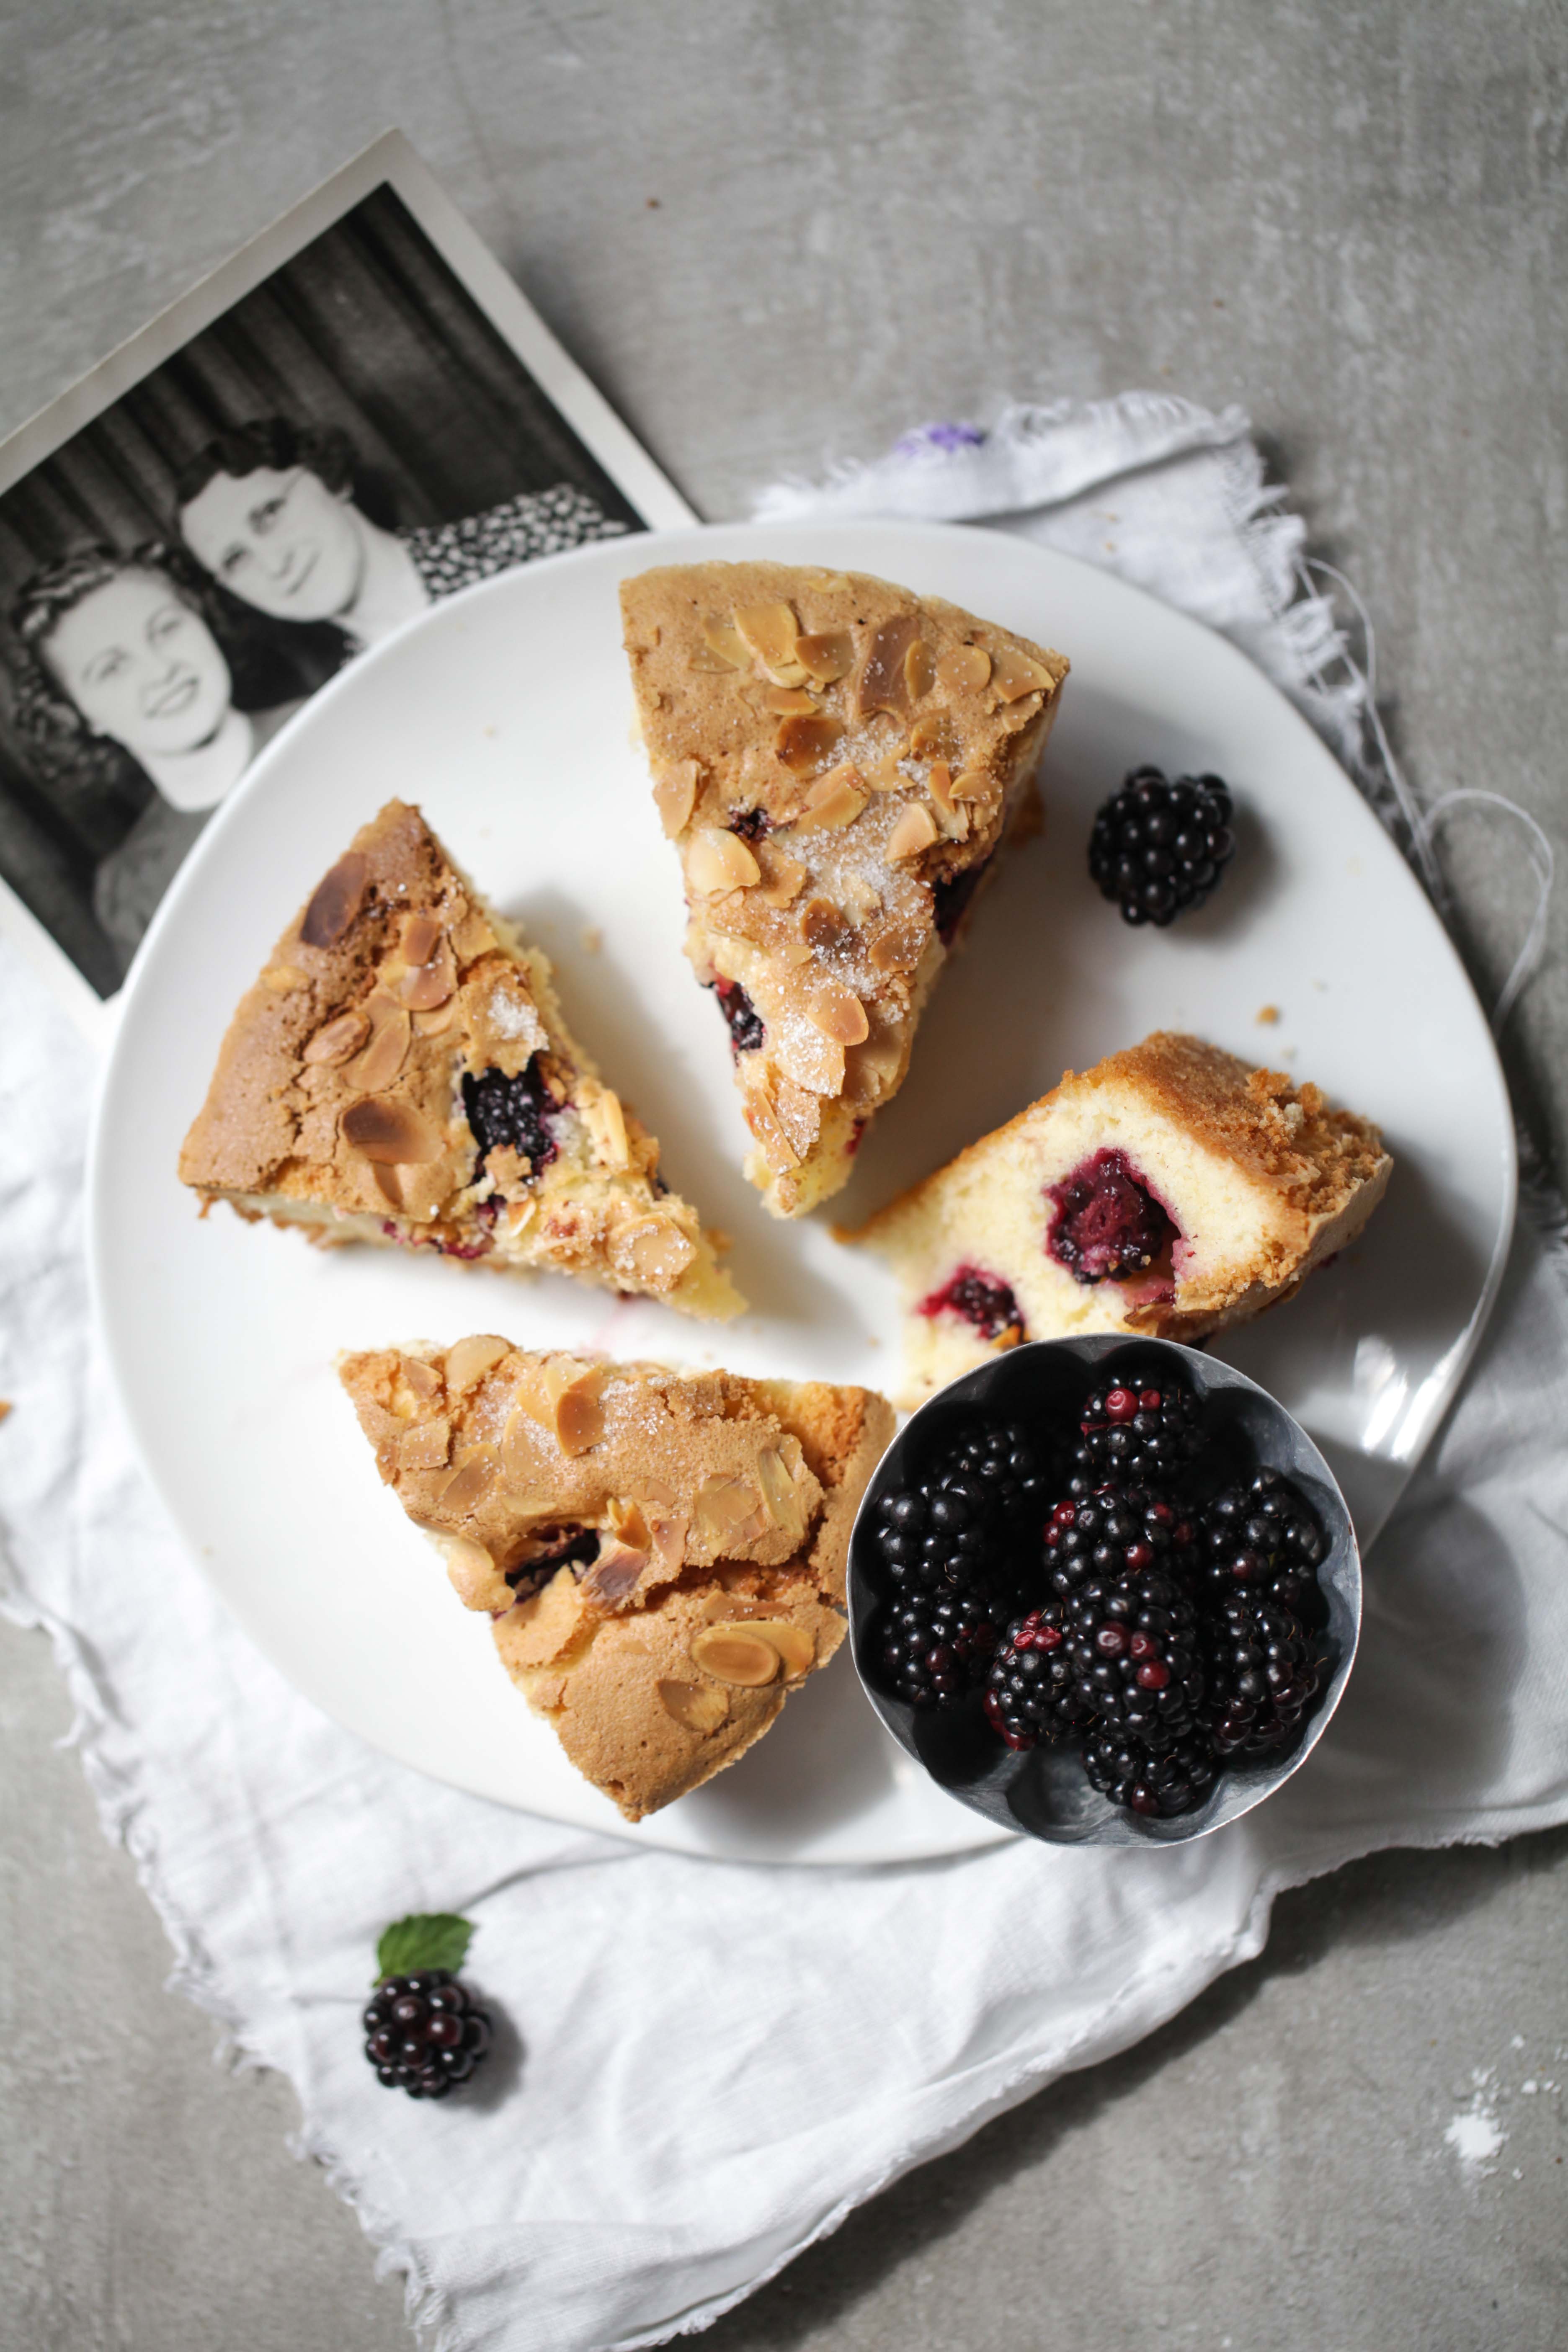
<point>401,1073</point>
<point>662,1555</point>
<point>1170,1190</point>
<point>838,762</point>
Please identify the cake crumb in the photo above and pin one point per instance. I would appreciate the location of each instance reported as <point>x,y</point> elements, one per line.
<point>592,939</point>
<point>4,1408</point>
<point>1267,1014</point>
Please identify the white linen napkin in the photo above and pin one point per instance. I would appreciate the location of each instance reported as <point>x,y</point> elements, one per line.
<point>706,2066</point>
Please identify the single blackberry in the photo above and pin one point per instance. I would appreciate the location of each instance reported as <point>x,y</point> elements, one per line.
<point>1145,1424</point>
<point>747,1028</point>
<point>1262,1678</point>
<point>1117,1532</point>
<point>501,1110</point>
<point>749,823</point>
<point>960,1524</point>
<point>1133,1647</point>
<point>424,2033</point>
<point>1172,1782</point>
<point>1031,1691</point>
<point>935,1648</point>
<point>1105,1224</point>
<point>1264,1538</point>
<point>981,1299</point>
<point>1159,847</point>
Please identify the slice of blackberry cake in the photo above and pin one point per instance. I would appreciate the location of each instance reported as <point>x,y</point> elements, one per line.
<point>1170,1190</point>
<point>401,1073</point>
<point>662,1554</point>
<point>838,762</point>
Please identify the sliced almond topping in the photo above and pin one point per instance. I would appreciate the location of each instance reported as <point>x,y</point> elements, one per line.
<point>340,1039</point>
<point>336,900</point>
<point>779,1491</point>
<point>606,1122</point>
<point>615,1572</point>
<point>938,783</point>
<point>696,1707</point>
<point>436,1022</point>
<point>675,795</point>
<point>886,775</point>
<point>282,978</point>
<point>475,1578</point>
<point>784,877</point>
<point>882,685</point>
<point>384,1057</point>
<point>834,801</point>
<point>792,1643</point>
<point>657,1252</point>
<point>422,1378</point>
<point>391,1132</point>
<point>468,1360</point>
<point>935,737</point>
<point>821,922</point>
<point>760,1108</point>
<point>805,745</point>
<point>718,861</point>
<point>1014,675</point>
<point>919,670</point>
<point>470,1481</point>
<point>425,1447</point>
<point>963,669</point>
<point>825,655</point>
<point>726,1510</point>
<point>420,933</point>
<point>859,895</point>
<point>786,701</point>
<point>915,831</point>
<point>839,1012</point>
<point>900,946</point>
<point>770,631</point>
<point>388,1183</point>
<point>427,985</point>
<point>733,1654</point>
<point>724,645</point>
<point>473,936</point>
<point>812,1060</point>
<point>578,1415</point>
<point>955,821</point>
<point>973,785</point>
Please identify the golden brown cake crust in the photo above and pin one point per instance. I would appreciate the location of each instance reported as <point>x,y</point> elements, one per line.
<point>838,761</point>
<point>662,1555</point>
<point>336,1093</point>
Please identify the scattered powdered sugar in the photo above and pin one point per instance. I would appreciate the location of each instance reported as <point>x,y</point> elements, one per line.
<point>511,1016</point>
<point>1475,2133</point>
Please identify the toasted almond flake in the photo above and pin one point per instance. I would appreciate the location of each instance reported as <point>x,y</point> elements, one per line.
<point>783,876</point>
<point>384,1057</point>
<point>859,895</point>
<point>963,669</point>
<point>336,900</point>
<point>724,641</point>
<point>935,737</point>
<point>919,670</point>
<point>421,932</point>
<point>915,831</point>
<point>733,1655</point>
<point>710,663</point>
<point>436,1022</point>
<point>1014,675</point>
<point>467,1360</point>
<point>821,922</point>
<point>805,745</point>
<point>834,801</point>
<point>426,986</point>
<point>422,1378</point>
<point>886,773</point>
<point>390,1133</point>
<point>718,861</point>
<point>725,1506</point>
<point>470,1481</point>
<point>954,820</point>
<point>675,795</point>
<point>779,1491</point>
<point>578,1415</point>
<point>786,701</point>
<point>339,1040</point>
<point>616,1571</point>
<point>899,947</point>
<point>605,1121</point>
<point>759,1107</point>
<point>770,631</point>
<point>882,685</point>
<point>839,1012</point>
<point>282,978</point>
<point>812,1060</point>
<point>388,1183</point>
<point>426,1446</point>
<point>518,1215</point>
<point>472,936</point>
<point>938,783</point>
<point>657,1252</point>
<point>825,655</point>
<point>793,1644</point>
<point>796,953</point>
<point>473,1574</point>
<point>696,1707</point>
<point>973,785</point>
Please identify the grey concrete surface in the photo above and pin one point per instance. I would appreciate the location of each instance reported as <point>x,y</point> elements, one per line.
<point>776,233</point>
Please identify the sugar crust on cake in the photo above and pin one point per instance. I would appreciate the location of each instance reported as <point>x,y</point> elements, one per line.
<point>714,1505</point>
<point>1263,1179</point>
<point>887,743</point>
<point>345,1055</point>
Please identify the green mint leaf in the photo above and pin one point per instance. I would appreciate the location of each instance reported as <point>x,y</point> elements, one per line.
<point>427,1939</point>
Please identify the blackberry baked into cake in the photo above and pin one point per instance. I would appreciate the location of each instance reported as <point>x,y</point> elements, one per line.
<point>662,1555</point>
<point>1170,1190</point>
<point>401,1073</point>
<point>838,762</point>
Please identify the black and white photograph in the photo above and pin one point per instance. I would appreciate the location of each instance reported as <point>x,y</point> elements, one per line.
<point>350,441</point>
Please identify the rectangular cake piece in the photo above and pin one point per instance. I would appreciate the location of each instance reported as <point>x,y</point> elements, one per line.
<point>1170,1190</point>
<point>838,762</point>
<point>662,1554</point>
<point>401,1073</point>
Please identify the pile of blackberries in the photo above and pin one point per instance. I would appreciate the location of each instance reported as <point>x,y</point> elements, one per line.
<point>1164,1615</point>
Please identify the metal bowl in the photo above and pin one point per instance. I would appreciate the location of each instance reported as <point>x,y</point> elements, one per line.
<point>1045,1791</point>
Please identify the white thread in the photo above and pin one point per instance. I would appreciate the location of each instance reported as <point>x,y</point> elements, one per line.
<point>1420,821</point>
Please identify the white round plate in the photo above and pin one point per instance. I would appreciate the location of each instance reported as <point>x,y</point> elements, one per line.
<point>505,713</point>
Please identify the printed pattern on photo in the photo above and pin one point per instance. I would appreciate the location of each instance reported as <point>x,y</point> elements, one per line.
<point>452,555</point>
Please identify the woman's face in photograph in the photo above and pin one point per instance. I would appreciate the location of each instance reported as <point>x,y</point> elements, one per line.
<point>283,541</point>
<point>141,666</point>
